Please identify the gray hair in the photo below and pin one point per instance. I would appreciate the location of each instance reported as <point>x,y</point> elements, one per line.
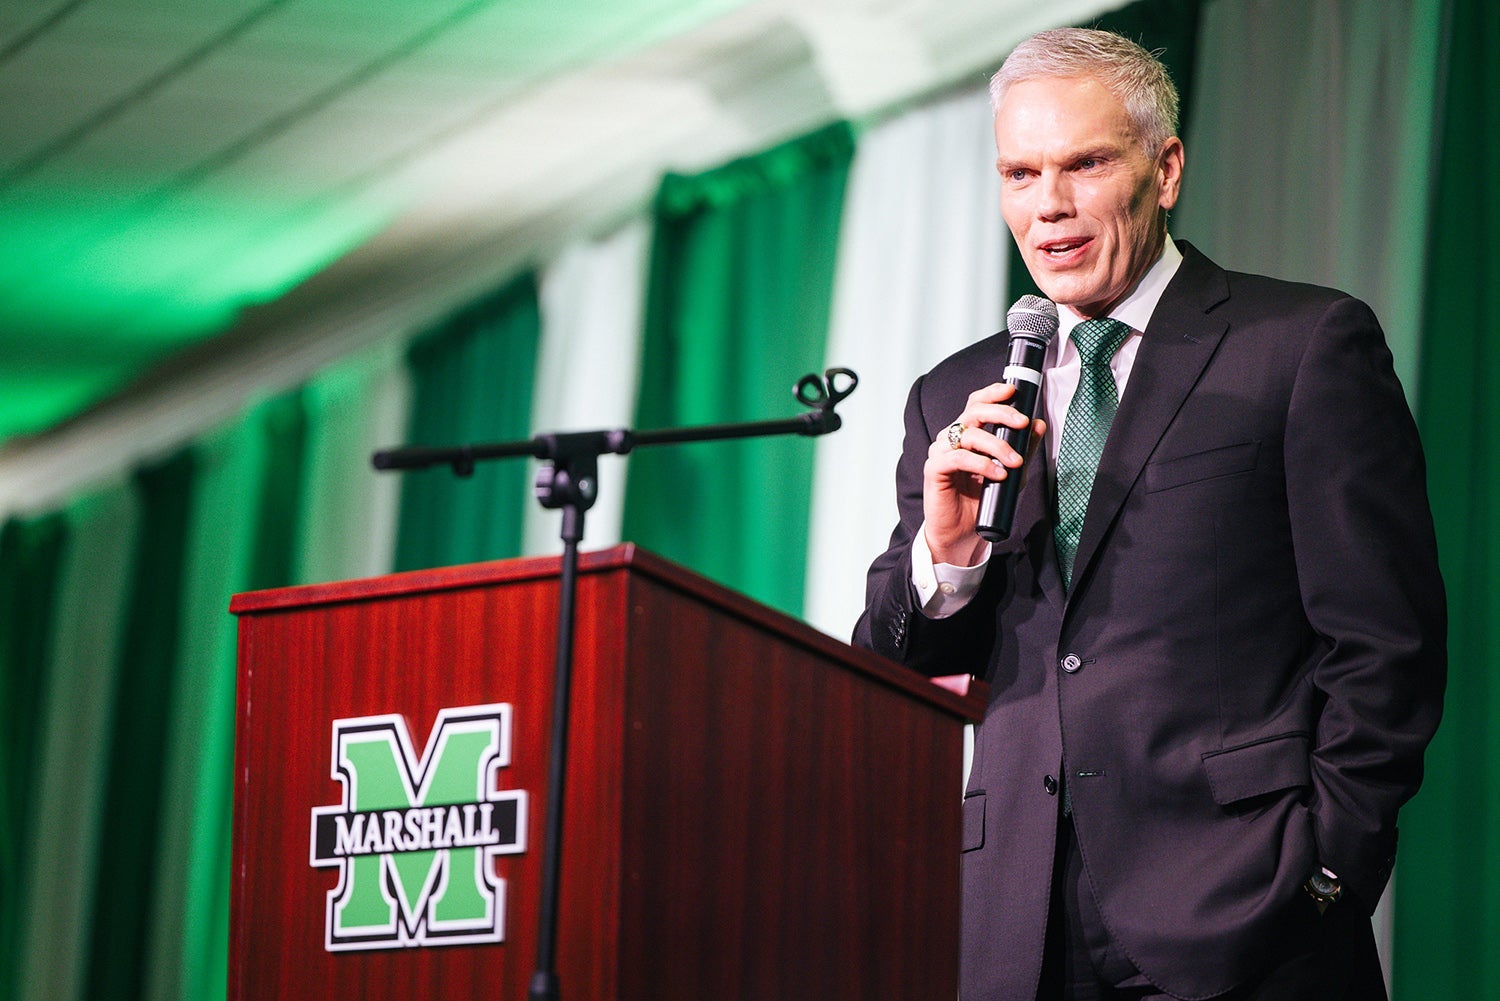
<point>1133,75</point>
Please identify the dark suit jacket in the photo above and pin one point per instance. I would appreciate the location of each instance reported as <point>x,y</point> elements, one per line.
<point>1259,632</point>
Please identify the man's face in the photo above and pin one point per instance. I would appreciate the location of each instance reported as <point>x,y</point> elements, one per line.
<point>1082,200</point>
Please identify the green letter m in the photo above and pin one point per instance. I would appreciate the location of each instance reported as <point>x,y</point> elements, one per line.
<point>403,881</point>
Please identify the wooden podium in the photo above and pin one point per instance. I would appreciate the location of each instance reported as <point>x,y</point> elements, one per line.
<point>753,810</point>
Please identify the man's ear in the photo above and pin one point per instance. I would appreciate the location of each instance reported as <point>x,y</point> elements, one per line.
<point>1169,172</point>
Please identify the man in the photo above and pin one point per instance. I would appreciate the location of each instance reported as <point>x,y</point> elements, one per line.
<point>1215,650</point>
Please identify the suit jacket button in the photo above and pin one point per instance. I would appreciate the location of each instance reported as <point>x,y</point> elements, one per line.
<point>1071,663</point>
<point>1050,784</point>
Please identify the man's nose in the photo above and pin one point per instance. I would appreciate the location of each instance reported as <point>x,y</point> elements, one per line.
<point>1057,196</point>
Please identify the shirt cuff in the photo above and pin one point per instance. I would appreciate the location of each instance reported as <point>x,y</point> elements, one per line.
<point>943,588</point>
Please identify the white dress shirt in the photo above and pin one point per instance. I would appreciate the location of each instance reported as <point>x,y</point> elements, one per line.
<point>944,588</point>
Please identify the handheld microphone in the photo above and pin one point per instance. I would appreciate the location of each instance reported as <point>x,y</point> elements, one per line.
<point>1032,323</point>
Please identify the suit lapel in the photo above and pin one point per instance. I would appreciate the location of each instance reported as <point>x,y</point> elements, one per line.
<point>1175,348</point>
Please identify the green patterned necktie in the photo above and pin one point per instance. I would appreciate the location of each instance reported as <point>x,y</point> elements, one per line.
<point>1084,432</point>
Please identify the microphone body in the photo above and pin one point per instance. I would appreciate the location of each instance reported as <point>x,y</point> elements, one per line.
<point>1032,323</point>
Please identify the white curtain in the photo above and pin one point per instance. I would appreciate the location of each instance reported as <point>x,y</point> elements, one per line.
<point>593,302</point>
<point>1309,149</point>
<point>921,272</point>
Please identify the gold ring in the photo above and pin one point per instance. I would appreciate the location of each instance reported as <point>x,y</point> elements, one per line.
<point>955,435</point>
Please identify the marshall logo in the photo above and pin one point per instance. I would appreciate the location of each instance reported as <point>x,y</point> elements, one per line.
<point>415,838</point>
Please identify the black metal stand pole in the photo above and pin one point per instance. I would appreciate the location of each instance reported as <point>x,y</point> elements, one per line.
<point>544,985</point>
<point>569,482</point>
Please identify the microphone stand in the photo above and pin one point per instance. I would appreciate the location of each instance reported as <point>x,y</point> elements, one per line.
<point>568,480</point>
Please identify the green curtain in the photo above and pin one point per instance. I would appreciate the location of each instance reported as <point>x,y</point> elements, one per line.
<point>126,888</point>
<point>281,426</point>
<point>243,513</point>
<point>1170,26</point>
<point>1448,889</point>
<point>737,310</point>
<point>31,554</point>
<point>471,383</point>
<point>159,925</point>
<point>78,681</point>
<point>347,518</point>
<point>137,732</point>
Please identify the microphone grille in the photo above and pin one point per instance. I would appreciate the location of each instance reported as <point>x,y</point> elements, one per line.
<point>1032,315</point>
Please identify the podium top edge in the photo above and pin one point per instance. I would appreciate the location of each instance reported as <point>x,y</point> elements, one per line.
<point>967,700</point>
<point>436,579</point>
